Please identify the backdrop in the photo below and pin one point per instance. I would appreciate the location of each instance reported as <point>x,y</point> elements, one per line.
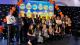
<point>37,7</point>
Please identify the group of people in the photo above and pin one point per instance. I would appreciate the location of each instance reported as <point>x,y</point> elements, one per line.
<point>33,30</point>
<point>42,30</point>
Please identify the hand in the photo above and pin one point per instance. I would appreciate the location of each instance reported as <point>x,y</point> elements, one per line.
<point>29,42</point>
<point>33,35</point>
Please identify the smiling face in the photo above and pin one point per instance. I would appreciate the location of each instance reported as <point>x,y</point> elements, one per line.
<point>38,26</point>
<point>13,8</point>
<point>58,18</point>
<point>11,12</point>
<point>31,26</point>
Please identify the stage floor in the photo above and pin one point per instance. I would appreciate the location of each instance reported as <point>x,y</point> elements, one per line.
<point>70,40</point>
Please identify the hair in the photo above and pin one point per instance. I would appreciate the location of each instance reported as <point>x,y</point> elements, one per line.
<point>43,25</point>
<point>38,27</point>
<point>30,26</point>
<point>12,6</point>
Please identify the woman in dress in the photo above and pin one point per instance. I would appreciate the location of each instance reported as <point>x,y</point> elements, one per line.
<point>39,34</point>
<point>58,28</point>
<point>50,32</point>
<point>45,32</point>
<point>31,35</point>
<point>68,25</point>
<point>58,25</point>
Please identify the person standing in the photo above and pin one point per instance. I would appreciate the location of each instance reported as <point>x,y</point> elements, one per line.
<point>58,27</point>
<point>10,22</point>
<point>68,25</point>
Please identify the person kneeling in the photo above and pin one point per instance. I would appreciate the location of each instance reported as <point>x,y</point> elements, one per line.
<point>31,35</point>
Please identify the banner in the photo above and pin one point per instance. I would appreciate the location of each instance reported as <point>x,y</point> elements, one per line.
<point>37,7</point>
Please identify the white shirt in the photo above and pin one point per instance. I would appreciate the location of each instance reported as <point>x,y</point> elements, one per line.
<point>45,33</point>
<point>50,23</point>
<point>58,21</point>
<point>10,19</point>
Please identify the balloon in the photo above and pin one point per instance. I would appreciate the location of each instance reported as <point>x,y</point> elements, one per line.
<point>57,8</point>
<point>56,5</point>
<point>52,1</point>
<point>60,13</point>
<point>20,2</point>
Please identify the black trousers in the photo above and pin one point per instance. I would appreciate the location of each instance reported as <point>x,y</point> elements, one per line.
<point>67,30</point>
<point>11,32</point>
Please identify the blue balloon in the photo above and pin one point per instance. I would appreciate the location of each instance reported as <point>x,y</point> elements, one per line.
<point>59,10</point>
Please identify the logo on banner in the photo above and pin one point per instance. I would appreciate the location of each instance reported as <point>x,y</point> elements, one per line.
<point>50,8</point>
<point>40,7</point>
<point>50,13</point>
<point>45,13</point>
<point>22,6</point>
<point>29,13</point>
<point>34,6</point>
<point>34,12</point>
<point>45,7</point>
<point>22,13</point>
<point>28,6</point>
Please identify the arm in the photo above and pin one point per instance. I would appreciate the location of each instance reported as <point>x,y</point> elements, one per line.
<point>14,19</point>
<point>29,34</point>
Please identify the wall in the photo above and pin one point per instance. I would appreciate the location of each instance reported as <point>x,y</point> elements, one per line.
<point>70,2</point>
<point>77,2</point>
<point>67,2</point>
<point>8,1</point>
